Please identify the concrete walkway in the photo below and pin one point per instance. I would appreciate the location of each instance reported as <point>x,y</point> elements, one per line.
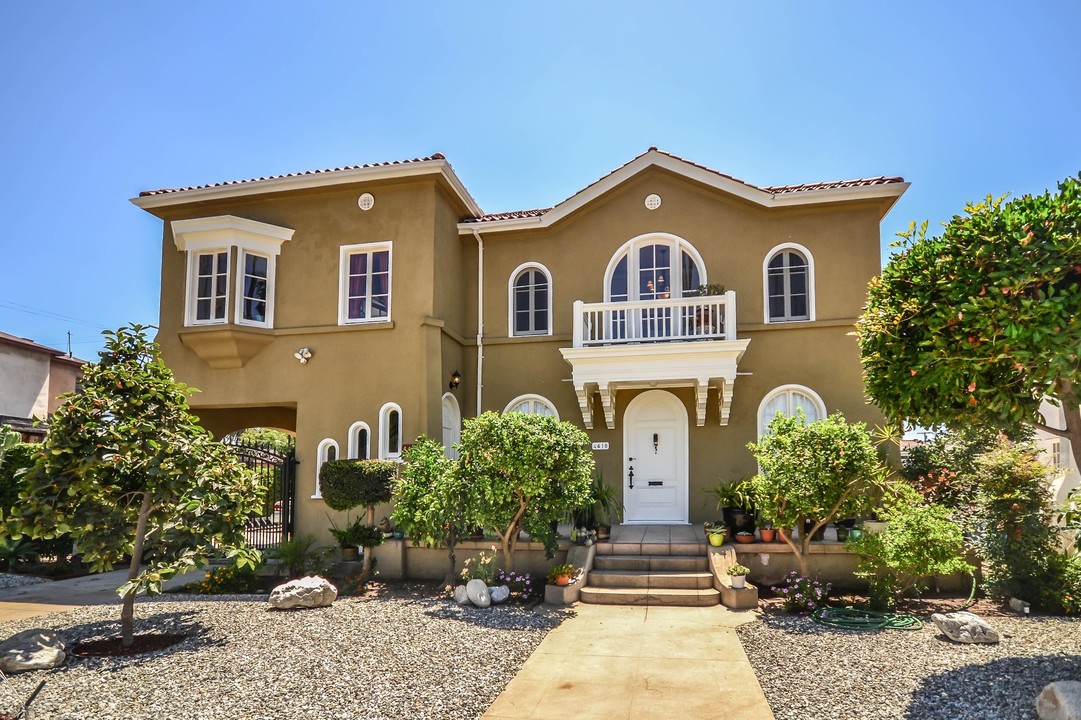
<point>617,662</point>
<point>53,597</point>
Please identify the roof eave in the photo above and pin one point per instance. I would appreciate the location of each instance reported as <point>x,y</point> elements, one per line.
<point>313,180</point>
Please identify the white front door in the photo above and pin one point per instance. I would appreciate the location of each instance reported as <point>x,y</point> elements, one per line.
<point>655,462</point>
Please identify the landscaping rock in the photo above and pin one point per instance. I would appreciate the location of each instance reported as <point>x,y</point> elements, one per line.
<point>308,592</point>
<point>35,649</point>
<point>477,591</point>
<point>1060,701</point>
<point>965,627</point>
<point>499,594</point>
<point>460,595</point>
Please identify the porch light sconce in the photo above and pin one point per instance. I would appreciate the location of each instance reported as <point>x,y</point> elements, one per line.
<point>455,379</point>
<point>303,355</point>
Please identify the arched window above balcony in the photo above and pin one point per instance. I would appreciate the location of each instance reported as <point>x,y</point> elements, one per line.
<point>657,266</point>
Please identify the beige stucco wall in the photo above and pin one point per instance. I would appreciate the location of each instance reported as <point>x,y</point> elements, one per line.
<point>24,390</point>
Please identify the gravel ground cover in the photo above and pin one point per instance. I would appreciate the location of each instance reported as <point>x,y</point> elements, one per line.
<point>397,654</point>
<point>10,580</point>
<point>809,671</point>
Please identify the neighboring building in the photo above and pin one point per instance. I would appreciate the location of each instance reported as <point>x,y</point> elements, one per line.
<point>32,379</point>
<point>361,307</point>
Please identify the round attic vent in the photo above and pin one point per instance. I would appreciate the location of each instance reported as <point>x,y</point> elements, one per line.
<point>365,201</point>
<point>653,201</point>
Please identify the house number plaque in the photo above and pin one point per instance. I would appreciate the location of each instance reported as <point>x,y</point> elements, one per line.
<point>600,446</point>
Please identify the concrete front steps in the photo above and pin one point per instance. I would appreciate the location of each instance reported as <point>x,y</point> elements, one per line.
<point>651,573</point>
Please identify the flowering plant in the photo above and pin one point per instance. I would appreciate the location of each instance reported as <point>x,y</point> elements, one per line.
<point>480,568</point>
<point>557,570</point>
<point>523,587</point>
<point>802,594</point>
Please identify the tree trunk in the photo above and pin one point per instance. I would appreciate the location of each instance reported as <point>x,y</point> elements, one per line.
<point>509,538</point>
<point>366,567</point>
<point>127,612</point>
<point>451,580</point>
<point>1072,414</point>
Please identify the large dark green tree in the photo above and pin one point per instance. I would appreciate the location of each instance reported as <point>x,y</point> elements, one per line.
<point>128,472</point>
<point>979,324</point>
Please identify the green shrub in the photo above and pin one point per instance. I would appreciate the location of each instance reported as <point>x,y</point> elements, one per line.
<point>919,541</point>
<point>348,484</point>
<point>18,457</point>
<point>357,534</point>
<point>225,580</point>
<point>300,556</point>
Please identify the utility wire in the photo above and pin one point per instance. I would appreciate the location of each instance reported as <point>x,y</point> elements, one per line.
<point>48,313</point>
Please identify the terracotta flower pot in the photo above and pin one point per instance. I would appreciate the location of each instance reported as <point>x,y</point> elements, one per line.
<point>767,534</point>
<point>563,579</point>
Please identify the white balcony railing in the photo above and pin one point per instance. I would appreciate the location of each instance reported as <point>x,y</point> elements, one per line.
<point>712,317</point>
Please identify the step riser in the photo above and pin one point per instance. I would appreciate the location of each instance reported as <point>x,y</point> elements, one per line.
<point>691,598</point>
<point>651,549</point>
<point>657,563</point>
<point>688,581</point>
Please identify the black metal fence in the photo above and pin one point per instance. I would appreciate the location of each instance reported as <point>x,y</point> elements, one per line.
<point>277,471</point>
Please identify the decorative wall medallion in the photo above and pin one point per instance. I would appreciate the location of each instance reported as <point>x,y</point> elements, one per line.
<point>365,201</point>
<point>653,201</point>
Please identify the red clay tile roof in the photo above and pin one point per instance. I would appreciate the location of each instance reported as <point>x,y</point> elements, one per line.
<point>165,191</point>
<point>773,189</point>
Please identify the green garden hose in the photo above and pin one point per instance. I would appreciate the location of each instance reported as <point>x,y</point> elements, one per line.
<point>853,619</point>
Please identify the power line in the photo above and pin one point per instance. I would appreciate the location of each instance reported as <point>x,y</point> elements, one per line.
<point>47,313</point>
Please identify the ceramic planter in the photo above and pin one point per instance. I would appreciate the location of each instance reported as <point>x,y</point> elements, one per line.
<point>739,581</point>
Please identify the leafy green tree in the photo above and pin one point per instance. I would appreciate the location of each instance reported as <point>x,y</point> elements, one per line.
<point>979,324</point>
<point>348,484</point>
<point>279,440</point>
<point>128,472</point>
<point>813,472</point>
<point>8,439</point>
<point>432,501</point>
<point>525,472</point>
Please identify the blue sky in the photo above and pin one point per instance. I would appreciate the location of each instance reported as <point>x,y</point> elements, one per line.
<point>528,102</point>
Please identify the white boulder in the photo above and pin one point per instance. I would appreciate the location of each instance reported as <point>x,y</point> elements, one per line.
<point>307,592</point>
<point>477,591</point>
<point>36,649</point>
<point>965,627</point>
<point>460,595</point>
<point>499,594</point>
<point>1060,700</point>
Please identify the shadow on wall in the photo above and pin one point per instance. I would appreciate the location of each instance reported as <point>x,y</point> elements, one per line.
<point>1005,688</point>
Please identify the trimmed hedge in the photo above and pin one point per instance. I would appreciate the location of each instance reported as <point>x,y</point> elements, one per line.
<point>348,484</point>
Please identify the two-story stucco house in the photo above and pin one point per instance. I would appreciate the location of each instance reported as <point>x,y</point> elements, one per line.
<point>362,306</point>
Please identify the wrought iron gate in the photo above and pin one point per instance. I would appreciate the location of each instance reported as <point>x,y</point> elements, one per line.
<point>277,472</point>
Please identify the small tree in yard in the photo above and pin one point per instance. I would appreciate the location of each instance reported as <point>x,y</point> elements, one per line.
<point>524,472</point>
<point>348,484</point>
<point>432,501</point>
<point>979,324</point>
<point>813,472</point>
<point>128,471</point>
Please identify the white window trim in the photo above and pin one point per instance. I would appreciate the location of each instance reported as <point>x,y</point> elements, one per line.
<point>221,233</point>
<point>784,247</point>
<point>270,273</point>
<point>191,301</point>
<point>510,299</point>
<point>384,431</point>
<point>354,449</point>
<point>679,246</point>
<point>343,281</point>
<point>535,398</point>
<point>449,451</point>
<point>819,405</point>
<point>320,458</point>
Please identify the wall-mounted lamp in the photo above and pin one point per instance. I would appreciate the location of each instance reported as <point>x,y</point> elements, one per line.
<point>303,355</point>
<point>455,379</point>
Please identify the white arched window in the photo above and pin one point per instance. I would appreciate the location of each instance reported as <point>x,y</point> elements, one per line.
<point>529,297</point>
<point>452,425</point>
<point>326,452</point>
<point>788,284</point>
<point>360,441</point>
<point>390,432</point>
<point>657,266</point>
<point>532,405</point>
<point>787,400</point>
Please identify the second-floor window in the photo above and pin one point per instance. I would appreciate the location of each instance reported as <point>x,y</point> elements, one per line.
<point>254,290</point>
<point>211,286</point>
<point>365,284</point>
<point>530,301</point>
<point>789,284</point>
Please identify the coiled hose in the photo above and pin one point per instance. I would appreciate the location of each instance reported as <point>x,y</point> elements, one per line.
<point>853,619</point>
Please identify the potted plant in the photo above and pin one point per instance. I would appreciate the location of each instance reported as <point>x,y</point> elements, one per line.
<point>716,535</point>
<point>767,534</point>
<point>561,574</point>
<point>606,505</point>
<point>735,500</point>
<point>738,574</point>
<point>705,321</point>
<point>745,537</point>
<point>349,538</point>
